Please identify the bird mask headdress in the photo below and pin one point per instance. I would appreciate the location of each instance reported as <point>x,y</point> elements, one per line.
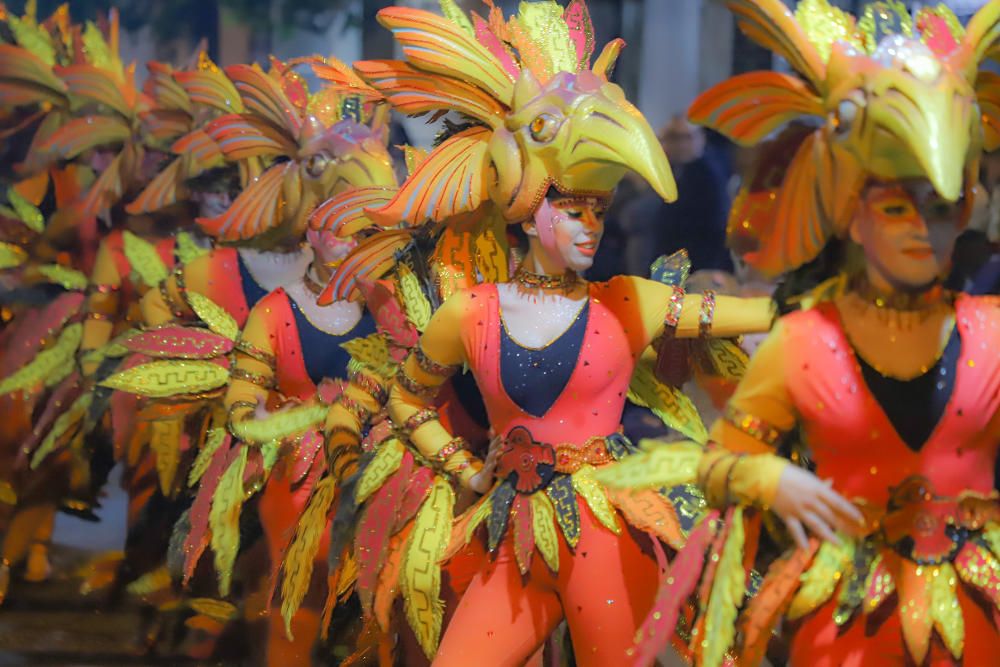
<point>888,97</point>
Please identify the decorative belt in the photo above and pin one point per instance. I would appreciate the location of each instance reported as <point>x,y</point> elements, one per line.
<point>926,528</point>
<point>529,465</point>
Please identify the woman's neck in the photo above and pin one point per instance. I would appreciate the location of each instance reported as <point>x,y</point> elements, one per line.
<point>537,260</point>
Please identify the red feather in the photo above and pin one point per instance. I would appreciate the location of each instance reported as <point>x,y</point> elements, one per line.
<point>197,538</point>
<point>375,528</point>
<point>677,582</point>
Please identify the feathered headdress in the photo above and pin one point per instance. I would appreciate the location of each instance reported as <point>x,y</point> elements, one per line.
<point>889,96</point>
<point>318,143</point>
<point>538,114</point>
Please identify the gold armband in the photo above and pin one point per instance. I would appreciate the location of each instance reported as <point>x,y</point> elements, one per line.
<point>747,479</point>
<point>453,446</point>
<point>413,386</point>
<point>358,411</point>
<point>707,313</point>
<point>432,367</point>
<point>419,418</point>
<point>370,386</point>
<point>674,307</point>
<point>755,427</point>
<point>256,353</point>
<point>253,378</point>
<point>169,301</point>
<point>238,405</point>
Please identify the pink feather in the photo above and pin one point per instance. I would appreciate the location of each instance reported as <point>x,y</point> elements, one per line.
<point>677,582</point>
<point>197,539</point>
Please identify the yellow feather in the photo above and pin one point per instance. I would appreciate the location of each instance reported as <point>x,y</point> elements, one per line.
<point>187,249</point>
<point>224,519</point>
<point>385,462</point>
<point>418,308</point>
<point>144,260</point>
<point>26,212</point>
<point>726,596</point>
<point>546,538</point>
<point>821,579</point>
<point>280,425</point>
<point>298,565</point>
<point>596,497</point>
<point>455,14</point>
<point>992,536</point>
<point>659,464</point>
<point>420,580</point>
<point>165,442</point>
<point>160,379</point>
<point>217,319</point>
<point>62,424</point>
<point>213,441</point>
<point>371,352</point>
<point>64,276</point>
<point>11,256</point>
<point>944,608</point>
<point>49,366</point>
<point>671,405</point>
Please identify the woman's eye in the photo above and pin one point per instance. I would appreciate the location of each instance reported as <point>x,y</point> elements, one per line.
<point>574,213</point>
<point>895,210</point>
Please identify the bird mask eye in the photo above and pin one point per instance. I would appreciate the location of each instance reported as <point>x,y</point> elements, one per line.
<point>317,164</point>
<point>544,128</point>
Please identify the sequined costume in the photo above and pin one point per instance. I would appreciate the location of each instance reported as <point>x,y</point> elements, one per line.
<point>907,432</point>
<point>285,349</point>
<point>537,108</point>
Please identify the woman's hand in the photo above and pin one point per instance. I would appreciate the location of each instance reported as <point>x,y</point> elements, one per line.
<point>482,481</point>
<point>805,501</point>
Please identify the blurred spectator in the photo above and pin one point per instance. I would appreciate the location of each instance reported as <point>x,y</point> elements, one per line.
<point>696,221</point>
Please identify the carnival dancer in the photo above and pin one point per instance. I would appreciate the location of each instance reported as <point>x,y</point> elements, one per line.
<point>289,344</point>
<point>890,380</point>
<point>547,138</point>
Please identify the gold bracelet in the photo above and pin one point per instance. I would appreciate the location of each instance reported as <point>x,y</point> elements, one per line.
<point>430,366</point>
<point>169,301</point>
<point>237,405</point>
<point>453,446</point>
<point>419,418</point>
<point>358,411</point>
<point>253,378</point>
<point>674,307</point>
<point>256,353</point>
<point>413,386</point>
<point>707,313</point>
<point>755,427</point>
<point>370,386</point>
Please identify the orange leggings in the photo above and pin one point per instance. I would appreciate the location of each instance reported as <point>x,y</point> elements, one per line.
<point>604,589</point>
<point>818,642</point>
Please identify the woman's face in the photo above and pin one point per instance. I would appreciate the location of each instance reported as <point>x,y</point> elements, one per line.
<point>577,225</point>
<point>907,232</point>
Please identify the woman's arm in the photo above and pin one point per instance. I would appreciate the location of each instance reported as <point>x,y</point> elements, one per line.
<point>438,355</point>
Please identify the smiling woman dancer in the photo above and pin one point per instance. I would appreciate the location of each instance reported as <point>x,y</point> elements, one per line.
<point>549,137</point>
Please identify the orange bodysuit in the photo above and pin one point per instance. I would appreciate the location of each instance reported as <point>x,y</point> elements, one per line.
<point>596,568</point>
<point>807,373</point>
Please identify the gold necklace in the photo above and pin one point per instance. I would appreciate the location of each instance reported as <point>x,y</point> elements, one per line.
<point>925,300</point>
<point>530,280</point>
<point>311,284</point>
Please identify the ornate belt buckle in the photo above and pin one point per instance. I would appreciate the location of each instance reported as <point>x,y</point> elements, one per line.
<point>529,465</point>
<point>920,525</point>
